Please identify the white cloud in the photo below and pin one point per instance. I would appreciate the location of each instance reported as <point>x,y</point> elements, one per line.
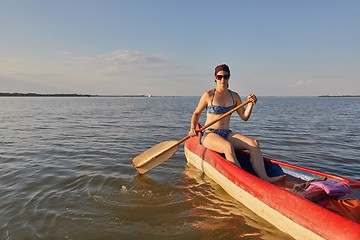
<point>116,72</point>
<point>304,83</point>
<point>66,53</point>
<point>126,56</point>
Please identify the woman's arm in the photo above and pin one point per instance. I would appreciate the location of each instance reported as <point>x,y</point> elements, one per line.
<point>245,113</point>
<point>197,113</point>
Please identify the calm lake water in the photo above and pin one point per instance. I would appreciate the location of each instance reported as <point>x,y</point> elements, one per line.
<point>66,169</point>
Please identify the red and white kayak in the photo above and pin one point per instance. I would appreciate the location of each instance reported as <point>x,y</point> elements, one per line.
<point>276,203</point>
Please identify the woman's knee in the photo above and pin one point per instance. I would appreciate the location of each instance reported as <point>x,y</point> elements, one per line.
<point>254,143</point>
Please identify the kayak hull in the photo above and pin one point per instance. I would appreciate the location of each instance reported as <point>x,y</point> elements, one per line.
<point>292,214</point>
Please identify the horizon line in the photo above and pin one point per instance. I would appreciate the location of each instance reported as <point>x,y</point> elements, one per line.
<point>30,94</point>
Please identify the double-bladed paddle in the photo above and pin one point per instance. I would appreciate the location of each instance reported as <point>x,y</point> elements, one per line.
<point>163,151</point>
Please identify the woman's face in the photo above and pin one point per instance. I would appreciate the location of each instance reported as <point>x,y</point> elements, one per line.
<point>222,78</point>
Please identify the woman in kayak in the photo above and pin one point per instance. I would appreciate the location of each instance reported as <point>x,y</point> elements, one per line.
<point>219,137</point>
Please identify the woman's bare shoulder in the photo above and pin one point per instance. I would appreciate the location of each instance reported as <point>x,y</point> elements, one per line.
<point>207,94</point>
<point>236,96</point>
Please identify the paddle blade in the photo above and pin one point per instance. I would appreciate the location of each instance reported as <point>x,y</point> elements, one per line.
<point>155,156</point>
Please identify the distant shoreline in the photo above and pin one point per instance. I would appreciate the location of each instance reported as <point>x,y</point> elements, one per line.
<point>339,96</point>
<point>62,95</point>
<point>129,96</point>
<point>42,95</point>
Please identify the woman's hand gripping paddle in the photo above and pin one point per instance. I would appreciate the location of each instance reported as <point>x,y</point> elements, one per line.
<point>163,151</point>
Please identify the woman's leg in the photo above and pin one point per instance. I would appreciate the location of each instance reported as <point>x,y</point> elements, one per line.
<point>242,142</point>
<point>217,143</point>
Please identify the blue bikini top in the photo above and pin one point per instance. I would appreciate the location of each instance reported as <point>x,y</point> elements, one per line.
<point>215,109</point>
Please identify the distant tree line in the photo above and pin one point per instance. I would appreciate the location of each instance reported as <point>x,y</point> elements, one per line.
<point>339,96</point>
<point>62,95</point>
<point>43,95</point>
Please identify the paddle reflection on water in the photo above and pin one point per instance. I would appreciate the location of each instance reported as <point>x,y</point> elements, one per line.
<point>179,205</point>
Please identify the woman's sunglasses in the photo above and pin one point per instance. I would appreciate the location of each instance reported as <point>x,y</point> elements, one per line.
<point>226,77</point>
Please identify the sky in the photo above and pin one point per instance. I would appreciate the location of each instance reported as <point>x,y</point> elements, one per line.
<point>171,47</point>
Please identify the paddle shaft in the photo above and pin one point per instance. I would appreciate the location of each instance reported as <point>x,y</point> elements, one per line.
<point>176,144</point>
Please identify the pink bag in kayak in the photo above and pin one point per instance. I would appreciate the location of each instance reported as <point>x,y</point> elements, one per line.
<point>332,188</point>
